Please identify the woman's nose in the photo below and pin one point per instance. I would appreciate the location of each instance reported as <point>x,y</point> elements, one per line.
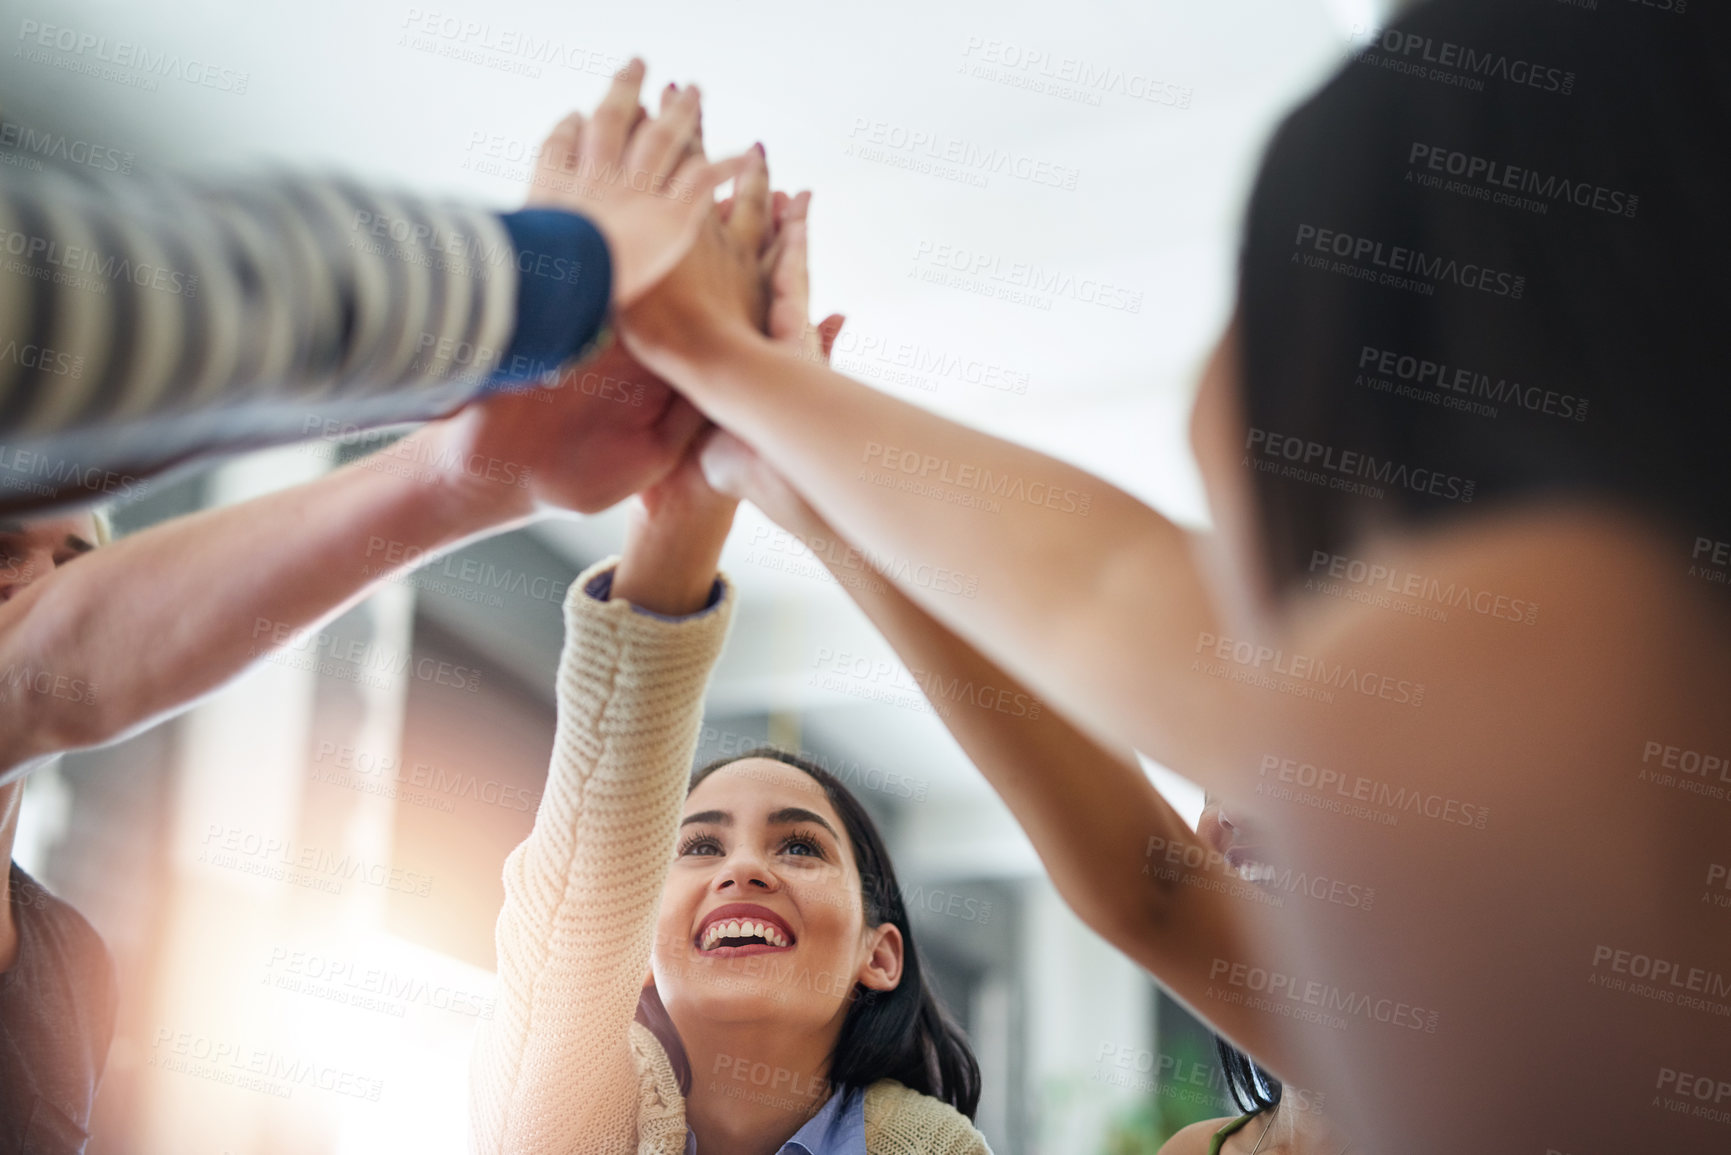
<point>745,872</point>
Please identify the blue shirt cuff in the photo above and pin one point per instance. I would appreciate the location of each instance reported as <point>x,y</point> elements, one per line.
<point>600,588</point>
<point>564,285</point>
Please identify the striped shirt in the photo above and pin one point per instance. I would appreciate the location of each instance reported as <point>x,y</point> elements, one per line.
<point>146,323</point>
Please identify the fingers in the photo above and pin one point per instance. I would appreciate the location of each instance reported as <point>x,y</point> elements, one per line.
<point>697,179</point>
<point>786,210</point>
<point>680,425</point>
<point>727,464</point>
<point>749,224</point>
<point>609,128</point>
<point>790,287</point>
<point>732,467</point>
<point>558,157</point>
<point>559,150</point>
<point>828,330</point>
<point>664,143</point>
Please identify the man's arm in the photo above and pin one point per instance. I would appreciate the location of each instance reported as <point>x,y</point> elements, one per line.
<point>151,322</point>
<point>145,626</point>
<point>165,319</point>
<point>157,620</point>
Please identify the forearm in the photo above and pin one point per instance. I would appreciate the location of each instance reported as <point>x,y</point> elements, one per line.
<point>185,317</point>
<point>1104,833</point>
<point>582,892</point>
<point>1085,594</point>
<point>153,622</point>
<point>1090,812</point>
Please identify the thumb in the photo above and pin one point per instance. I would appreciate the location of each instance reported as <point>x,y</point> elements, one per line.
<point>701,178</point>
<point>727,463</point>
<point>828,330</point>
<point>736,469</point>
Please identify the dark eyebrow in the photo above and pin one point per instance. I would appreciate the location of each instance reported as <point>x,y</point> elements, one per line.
<point>782,817</point>
<point>788,814</point>
<point>78,544</point>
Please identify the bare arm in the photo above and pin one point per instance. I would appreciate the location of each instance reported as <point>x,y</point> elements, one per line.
<point>152,623</point>
<point>132,631</point>
<point>1119,855</point>
<point>1087,595</point>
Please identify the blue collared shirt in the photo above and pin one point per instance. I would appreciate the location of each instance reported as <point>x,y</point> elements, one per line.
<point>600,588</point>
<point>837,1129</point>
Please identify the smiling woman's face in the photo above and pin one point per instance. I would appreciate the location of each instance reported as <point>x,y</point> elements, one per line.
<point>762,916</point>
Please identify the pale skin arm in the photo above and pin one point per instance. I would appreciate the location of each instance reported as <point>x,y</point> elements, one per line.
<point>1103,832</point>
<point>1098,824</point>
<point>158,620</point>
<point>1516,717</point>
<point>1551,728</point>
<point>1063,600</point>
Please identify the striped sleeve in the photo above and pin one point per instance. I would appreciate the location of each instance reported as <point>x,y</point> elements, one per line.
<point>148,322</point>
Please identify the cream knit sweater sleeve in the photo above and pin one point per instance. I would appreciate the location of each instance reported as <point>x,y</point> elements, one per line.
<point>553,1071</point>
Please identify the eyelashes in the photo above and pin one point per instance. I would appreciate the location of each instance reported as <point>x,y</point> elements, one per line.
<point>806,842</point>
<point>798,844</point>
<point>695,842</point>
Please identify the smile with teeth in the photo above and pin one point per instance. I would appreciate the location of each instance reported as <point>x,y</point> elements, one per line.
<point>740,932</point>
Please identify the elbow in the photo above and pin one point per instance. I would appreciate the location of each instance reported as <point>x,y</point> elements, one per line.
<point>65,713</point>
<point>1130,916</point>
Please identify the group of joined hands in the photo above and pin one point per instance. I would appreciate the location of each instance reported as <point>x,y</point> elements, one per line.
<point>688,274</point>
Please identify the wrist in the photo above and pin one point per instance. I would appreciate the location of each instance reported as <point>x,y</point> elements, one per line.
<point>693,358</point>
<point>670,567</point>
<point>477,490</point>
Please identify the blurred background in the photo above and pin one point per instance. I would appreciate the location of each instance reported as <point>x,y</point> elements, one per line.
<point>298,879</point>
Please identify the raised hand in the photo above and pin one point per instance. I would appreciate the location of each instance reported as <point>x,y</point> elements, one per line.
<point>676,535</point>
<point>722,283</point>
<point>790,284</point>
<point>642,180</point>
<point>729,465</point>
<point>606,430</point>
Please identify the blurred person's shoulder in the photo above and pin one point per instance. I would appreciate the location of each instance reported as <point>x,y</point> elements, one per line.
<point>54,925</point>
<point>63,970</point>
<point>57,1012</point>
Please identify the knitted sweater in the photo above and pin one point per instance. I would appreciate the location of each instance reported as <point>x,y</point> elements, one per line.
<point>562,1068</point>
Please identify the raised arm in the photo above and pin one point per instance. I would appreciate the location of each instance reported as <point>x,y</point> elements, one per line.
<point>1119,855</point>
<point>553,1072</point>
<point>1085,594</point>
<point>148,322</point>
<point>153,622</point>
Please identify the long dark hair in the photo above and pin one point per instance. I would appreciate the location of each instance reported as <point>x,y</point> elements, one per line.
<point>1560,190</point>
<point>1253,1089</point>
<point>903,1034</point>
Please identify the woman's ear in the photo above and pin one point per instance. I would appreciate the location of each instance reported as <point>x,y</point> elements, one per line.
<point>882,969</point>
